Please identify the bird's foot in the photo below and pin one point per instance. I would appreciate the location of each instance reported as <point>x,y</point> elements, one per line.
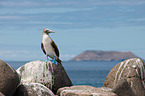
<point>47,59</point>
<point>53,61</point>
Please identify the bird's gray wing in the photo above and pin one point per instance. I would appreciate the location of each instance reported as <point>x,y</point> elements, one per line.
<point>42,47</point>
<point>55,48</point>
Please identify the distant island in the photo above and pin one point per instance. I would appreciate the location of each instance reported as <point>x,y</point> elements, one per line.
<point>93,55</point>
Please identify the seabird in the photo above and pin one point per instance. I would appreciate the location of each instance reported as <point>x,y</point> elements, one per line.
<point>49,47</point>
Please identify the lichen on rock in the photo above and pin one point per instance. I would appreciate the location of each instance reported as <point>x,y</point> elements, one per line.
<point>85,90</point>
<point>50,75</point>
<point>33,89</point>
<point>133,70</point>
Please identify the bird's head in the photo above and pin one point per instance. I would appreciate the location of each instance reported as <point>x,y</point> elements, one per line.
<point>47,31</point>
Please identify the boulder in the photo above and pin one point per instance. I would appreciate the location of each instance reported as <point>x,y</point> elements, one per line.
<point>1,94</point>
<point>133,70</point>
<point>85,90</point>
<point>51,75</point>
<point>33,89</point>
<point>122,88</point>
<point>9,79</point>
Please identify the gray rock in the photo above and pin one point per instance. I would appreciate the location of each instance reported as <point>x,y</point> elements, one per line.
<point>133,70</point>
<point>85,90</point>
<point>33,89</point>
<point>51,75</point>
<point>122,88</point>
<point>1,94</point>
<point>9,79</point>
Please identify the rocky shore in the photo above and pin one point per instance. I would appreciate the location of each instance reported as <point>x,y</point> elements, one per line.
<point>38,78</point>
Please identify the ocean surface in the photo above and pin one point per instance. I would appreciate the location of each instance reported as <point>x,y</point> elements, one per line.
<point>91,73</point>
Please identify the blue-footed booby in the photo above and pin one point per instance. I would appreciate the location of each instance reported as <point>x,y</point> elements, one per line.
<point>49,47</point>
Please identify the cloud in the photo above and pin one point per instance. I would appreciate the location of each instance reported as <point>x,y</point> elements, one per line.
<point>36,11</point>
<point>12,53</point>
<point>70,14</point>
<point>19,55</point>
<point>24,55</point>
<point>18,3</point>
<point>67,56</point>
<point>34,3</point>
<point>10,17</point>
<point>121,2</point>
<point>136,20</point>
<point>66,3</point>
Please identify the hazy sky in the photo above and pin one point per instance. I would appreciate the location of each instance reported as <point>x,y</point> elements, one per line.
<point>109,25</point>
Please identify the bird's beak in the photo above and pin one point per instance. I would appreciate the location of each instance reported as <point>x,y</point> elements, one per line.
<point>50,31</point>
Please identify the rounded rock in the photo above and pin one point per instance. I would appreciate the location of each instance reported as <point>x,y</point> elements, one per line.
<point>85,90</point>
<point>133,70</point>
<point>9,79</point>
<point>51,75</point>
<point>33,89</point>
<point>122,88</point>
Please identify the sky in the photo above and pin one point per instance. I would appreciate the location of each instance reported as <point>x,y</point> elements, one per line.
<point>79,25</point>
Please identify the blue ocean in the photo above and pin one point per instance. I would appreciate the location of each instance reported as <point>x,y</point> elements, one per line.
<point>91,73</point>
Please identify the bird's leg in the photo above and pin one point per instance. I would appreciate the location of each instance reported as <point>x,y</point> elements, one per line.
<point>54,61</point>
<point>47,58</point>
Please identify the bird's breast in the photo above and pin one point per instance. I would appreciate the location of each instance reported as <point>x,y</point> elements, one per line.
<point>47,46</point>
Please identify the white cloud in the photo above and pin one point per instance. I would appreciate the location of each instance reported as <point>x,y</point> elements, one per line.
<point>10,17</point>
<point>17,3</point>
<point>117,2</point>
<point>136,20</point>
<point>12,53</point>
<point>40,10</point>
<point>63,3</point>
<point>67,56</point>
<point>18,55</point>
<point>24,55</point>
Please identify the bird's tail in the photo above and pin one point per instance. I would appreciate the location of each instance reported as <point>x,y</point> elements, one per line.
<point>58,61</point>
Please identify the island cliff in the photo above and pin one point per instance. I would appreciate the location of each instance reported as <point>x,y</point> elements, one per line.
<point>93,55</point>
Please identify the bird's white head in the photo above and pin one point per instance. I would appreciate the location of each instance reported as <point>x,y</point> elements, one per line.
<point>47,31</point>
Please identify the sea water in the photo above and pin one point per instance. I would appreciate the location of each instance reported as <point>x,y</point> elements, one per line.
<point>91,73</point>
